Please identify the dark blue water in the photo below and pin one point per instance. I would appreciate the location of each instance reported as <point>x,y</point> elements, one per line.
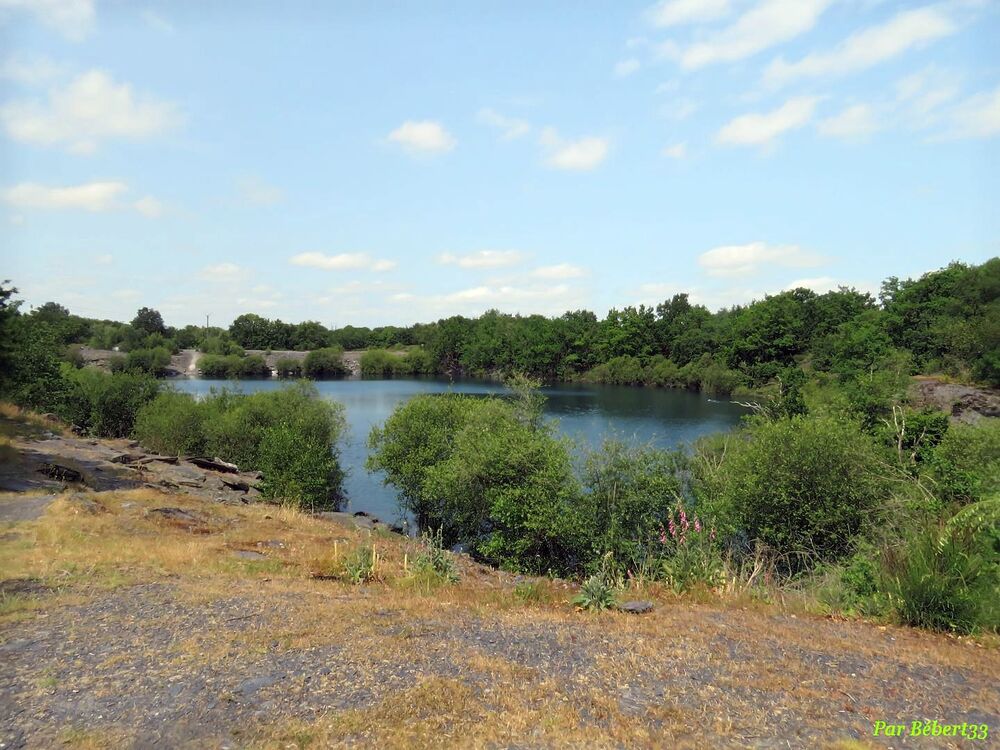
<point>666,418</point>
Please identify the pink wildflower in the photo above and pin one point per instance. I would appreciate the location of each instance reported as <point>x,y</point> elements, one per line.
<point>712,535</point>
<point>684,520</point>
<point>663,536</point>
<point>697,524</point>
<point>673,529</point>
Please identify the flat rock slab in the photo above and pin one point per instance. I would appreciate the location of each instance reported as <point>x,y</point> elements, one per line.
<point>14,509</point>
<point>636,608</point>
<point>247,554</point>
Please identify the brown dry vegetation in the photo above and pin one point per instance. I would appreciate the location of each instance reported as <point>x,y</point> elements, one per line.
<point>122,626</point>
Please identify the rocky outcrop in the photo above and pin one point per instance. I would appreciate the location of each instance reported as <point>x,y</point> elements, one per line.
<point>965,403</point>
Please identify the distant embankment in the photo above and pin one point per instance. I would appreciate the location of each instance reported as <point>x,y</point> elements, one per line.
<point>186,361</point>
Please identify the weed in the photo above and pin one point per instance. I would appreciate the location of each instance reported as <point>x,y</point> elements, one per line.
<point>361,566</point>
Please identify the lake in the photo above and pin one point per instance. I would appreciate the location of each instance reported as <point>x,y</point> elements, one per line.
<point>666,418</point>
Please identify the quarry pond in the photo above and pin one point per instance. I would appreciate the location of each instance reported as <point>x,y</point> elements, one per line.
<point>589,414</point>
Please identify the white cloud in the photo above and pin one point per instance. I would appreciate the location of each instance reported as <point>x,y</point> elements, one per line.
<point>31,72</point>
<point>90,109</point>
<point>149,207</point>
<point>483,259</point>
<point>255,192</point>
<point>559,271</point>
<point>126,294</point>
<point>356,286</point>
<point>818,284</point>
<point>766,24</point>
<point>74,19</point>
<point>423,137</point>
<point>158,22</point>
<point>627,67</point>
<point>580,155</point>
<point>742,260</point>
<point>678,12</point>
<point>680,109</point>
<point>758,129</point>
<point>868,47</point>
<point>509,127</point>
<point>925,91</point>
<point>676,151</point>
<point>533,298</point>
<point>92,196</point>
<point>853,122</point>
<point>341,262</point>
<point>222,272</point>
<point>976,117</point>
<point>105,260</point>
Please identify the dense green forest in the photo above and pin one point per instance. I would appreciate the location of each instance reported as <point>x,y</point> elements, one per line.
<point>947,322</point>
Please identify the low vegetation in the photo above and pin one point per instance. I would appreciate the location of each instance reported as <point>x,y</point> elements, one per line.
<point>289,435</point>
<point>798,501</point>
<point>381,363</point>
<point>836,488</point>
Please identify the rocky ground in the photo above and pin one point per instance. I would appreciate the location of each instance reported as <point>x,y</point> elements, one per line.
<point>138,615</point>
<point>965,403</point>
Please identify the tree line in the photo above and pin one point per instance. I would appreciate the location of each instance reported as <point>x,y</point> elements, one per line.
<point>947,321</point>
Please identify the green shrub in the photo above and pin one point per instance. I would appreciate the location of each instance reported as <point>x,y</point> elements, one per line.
<point>596,594</point>
<point>117,363</point>
<point>803,486</point>
<point>153,361</point>
<point>624,370</point>
<point>105,405</point>
<point>220,367</point>
<point>472,468</point>
<point>385,364</point>
<point>509,487</point>
<point>629,490</point>
<point>172,424</point>
<point>220,345</point>
<point>253,366</point>
<point>74,355</point>
<point>289,367</point>
<point>297,460</point>
<point>854,586</point>
<point>434,563</point>
<point>944,582</point>
<point>361,566</point>
<point>664,373</point>
<point>290,435</point>
<point>379,363</point>
<point>325,363</point>
<point>966,463</point>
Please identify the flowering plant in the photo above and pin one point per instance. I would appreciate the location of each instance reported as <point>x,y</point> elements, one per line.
<point>689,552</point>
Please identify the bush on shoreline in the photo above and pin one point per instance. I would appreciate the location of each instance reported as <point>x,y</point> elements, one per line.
<point>224,367</point>
<point>290,435</point>
<point>381,363</point>
<point>325,363</point>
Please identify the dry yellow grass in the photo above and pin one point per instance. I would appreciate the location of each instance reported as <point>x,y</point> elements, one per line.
<point>481,663</point>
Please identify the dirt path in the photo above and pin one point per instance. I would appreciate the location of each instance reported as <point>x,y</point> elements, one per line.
<point>162,665</point>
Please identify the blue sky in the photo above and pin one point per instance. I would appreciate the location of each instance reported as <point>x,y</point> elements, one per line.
<point>352,164</point>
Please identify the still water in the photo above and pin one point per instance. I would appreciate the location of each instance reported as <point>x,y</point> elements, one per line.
<point>666,418</point>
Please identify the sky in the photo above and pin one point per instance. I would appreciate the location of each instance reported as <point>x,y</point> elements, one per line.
<point>398,162</point>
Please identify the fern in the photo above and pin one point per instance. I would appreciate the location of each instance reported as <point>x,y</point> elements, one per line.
<point>977,520</point>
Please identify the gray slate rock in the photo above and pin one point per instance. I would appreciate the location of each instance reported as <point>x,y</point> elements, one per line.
<point>637,607</point>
